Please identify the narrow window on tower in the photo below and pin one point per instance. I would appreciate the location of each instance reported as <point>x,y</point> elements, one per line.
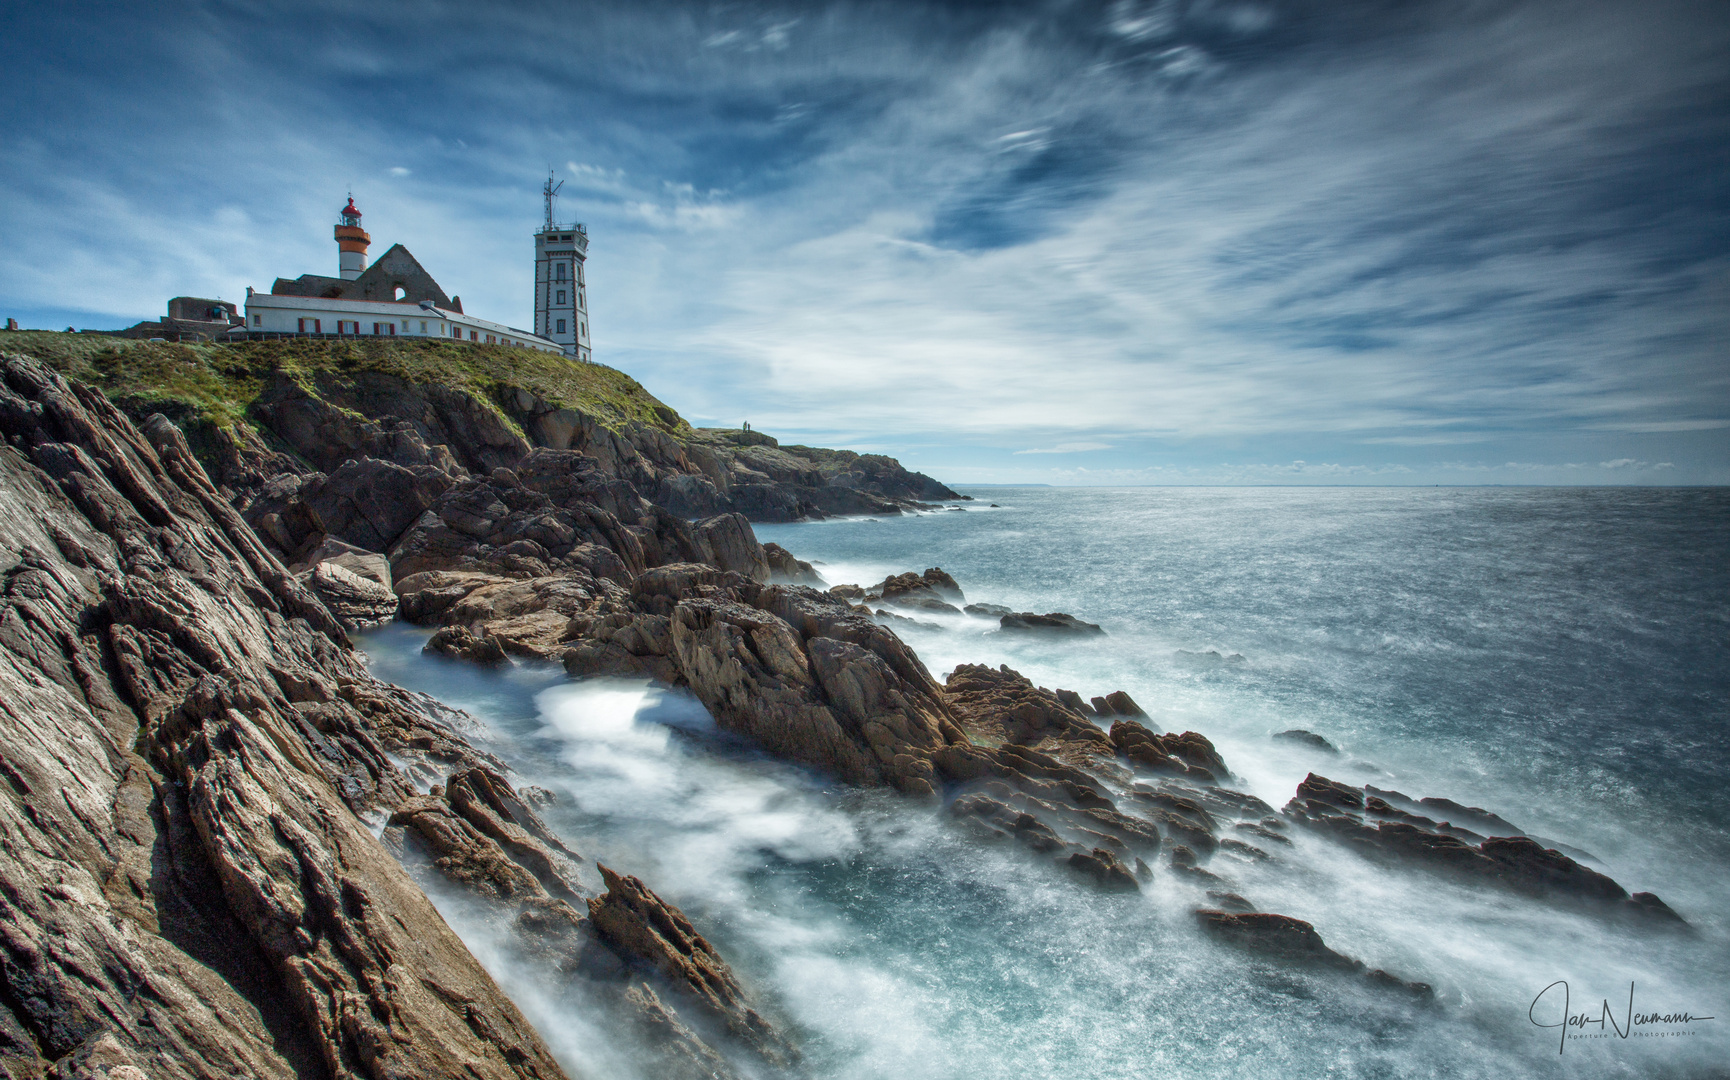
<point>561,300</point>
<point>561,328</point>
<point>559,271</point>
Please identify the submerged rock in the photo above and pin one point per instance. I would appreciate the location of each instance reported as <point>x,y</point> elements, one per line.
<point>1306,738</point>
<point>1293,941</point>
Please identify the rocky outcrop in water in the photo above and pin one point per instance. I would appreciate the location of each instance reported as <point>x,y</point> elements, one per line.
<point>1056,622</point>
<point>1293,941</point>
<point>1373,826</point>
<point>649,931</point>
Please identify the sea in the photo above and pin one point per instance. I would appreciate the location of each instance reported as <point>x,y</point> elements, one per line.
<point>1558,656</point>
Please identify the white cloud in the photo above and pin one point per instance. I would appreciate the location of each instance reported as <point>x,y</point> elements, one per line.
<point>1069,448</point>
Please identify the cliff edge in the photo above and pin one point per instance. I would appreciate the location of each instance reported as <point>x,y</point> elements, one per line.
<point>255,410</point>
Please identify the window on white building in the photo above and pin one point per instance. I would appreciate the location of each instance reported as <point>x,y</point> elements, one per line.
<point>585,327</point>
<point>561,328</point>
<point>423,326</point>
<point>561,300</point>
<point>559,271</point>
<point>258,320</point>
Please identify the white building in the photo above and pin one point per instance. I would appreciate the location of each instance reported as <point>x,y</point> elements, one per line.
<point>395,297</point>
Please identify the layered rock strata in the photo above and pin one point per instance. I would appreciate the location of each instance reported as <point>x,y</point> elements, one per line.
<point>189,884</point>
<point>188,742</point>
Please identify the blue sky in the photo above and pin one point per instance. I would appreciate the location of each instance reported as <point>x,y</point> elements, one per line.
<point>1180,241</point>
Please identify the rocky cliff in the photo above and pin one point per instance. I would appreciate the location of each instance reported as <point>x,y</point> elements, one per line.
<point>258,410</point>
<point>212,809</point>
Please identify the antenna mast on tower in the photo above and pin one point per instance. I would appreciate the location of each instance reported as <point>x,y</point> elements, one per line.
<point>551,191</point>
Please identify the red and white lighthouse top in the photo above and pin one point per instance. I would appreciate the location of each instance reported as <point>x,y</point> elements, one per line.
<point>350,214</point>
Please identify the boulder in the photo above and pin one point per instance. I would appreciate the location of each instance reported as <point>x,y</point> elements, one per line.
<point>1320,789</point>
<point>803,675</point>
<point>933,584</point>
<point>356,601</point>
<point>371,503</point>
<point>1052,623</point>
<point>461,643</point>
<point>733,546</point>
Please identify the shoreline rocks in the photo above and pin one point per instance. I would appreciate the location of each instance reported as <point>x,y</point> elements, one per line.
<point>1376,828</point>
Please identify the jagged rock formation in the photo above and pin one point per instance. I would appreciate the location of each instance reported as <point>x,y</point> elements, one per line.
<point>651,931</point>
<point>1376,827</point>
<point>187,887</point>
<point>187,741</point>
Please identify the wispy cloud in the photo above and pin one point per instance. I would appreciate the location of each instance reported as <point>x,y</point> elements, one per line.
<point>1143,230</point>
<point>1069,448</point>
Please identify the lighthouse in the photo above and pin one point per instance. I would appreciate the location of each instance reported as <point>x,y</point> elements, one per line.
<point>351,242</point>
<point>561,293</point>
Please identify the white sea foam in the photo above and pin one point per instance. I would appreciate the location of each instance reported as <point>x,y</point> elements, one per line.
<point>897,946</point>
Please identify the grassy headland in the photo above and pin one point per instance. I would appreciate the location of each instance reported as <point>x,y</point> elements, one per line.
<point>216,384</point>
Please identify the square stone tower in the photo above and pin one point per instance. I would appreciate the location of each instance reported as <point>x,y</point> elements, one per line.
<point>561,300</point>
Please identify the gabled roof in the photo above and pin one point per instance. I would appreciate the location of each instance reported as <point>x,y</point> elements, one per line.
<point>395,269</point>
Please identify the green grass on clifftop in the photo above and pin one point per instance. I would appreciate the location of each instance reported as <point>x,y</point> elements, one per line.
<point>217,383</point>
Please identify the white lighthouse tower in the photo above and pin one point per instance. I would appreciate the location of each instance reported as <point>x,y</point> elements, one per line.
<point>351,242</point>
<point>561,300</point>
